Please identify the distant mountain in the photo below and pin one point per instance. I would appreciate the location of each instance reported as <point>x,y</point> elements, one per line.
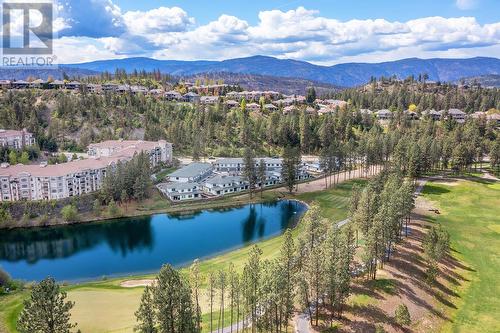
<point>492,80</point>
<point>56,73</point>
<point>285,85</point>
<point>349,74</point>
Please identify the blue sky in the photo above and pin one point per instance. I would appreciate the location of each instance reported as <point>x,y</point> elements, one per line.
<point>318,31</point>
<point>486,11</point>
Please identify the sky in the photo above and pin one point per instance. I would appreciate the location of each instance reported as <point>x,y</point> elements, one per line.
<point>324,32</point>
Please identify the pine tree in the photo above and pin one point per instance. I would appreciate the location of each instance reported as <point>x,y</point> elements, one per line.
<point>145,314</point>
<point>46,311</point>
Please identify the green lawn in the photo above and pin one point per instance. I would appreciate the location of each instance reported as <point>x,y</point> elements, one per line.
<point>470,211</point>
<point>104,306</point>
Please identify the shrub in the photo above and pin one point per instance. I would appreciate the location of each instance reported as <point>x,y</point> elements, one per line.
<point>5,215</point>
<point>402,315</point>
<point>96,207</point>
<point>380,329</point>
<point>4,278</point>
<point>69,213</point>
<point>112,208</point>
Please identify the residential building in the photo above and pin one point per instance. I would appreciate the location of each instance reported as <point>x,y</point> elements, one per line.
<point>172,95</point>
<point>457,115</point>
<point>5,84</point>
<point>432,114</point>
<point>223,184</point>
<point>253,107</point>
<point>234,165</point>
<point>194,172</point>
<point>56,84</point>
<point>160,151</point>
<point>209,100</point>
<point>48,182</point>
<point>16,139</point>
<point>181,191</point>
<point>384,114</point>
<point>73,85</point>
<point>270,107</point>
<point>191,97</point>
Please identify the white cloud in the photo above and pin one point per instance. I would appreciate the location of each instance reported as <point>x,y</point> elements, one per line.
<point>157,21</point>
<point>466,4</point>
<point>170,33</point>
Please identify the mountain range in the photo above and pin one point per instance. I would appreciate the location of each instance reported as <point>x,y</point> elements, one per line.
<point>341,75</point>
<point>346,75</point>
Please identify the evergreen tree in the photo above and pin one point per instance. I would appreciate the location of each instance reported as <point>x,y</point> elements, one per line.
<point>46,310</point>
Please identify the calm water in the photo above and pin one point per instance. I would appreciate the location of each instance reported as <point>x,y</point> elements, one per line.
<point>139,245</point>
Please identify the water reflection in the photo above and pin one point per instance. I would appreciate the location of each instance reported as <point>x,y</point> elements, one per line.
<point>133,245</point>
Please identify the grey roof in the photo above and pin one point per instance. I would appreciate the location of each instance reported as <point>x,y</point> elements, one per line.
<point>181,186</point>
<point>229,160</point>
<point>191,170</point>
<point>221,179</point>
<point>456,111</point>
<point>239,160</point>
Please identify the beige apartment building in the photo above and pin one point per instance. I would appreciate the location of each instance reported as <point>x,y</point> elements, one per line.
<point>16,139</point>
<point>48,182</point>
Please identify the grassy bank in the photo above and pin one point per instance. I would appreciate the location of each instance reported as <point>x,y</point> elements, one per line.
<point>104,306</point>
<point>469,211</point>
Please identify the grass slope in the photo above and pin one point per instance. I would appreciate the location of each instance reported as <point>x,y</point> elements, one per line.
<point>470,212</point>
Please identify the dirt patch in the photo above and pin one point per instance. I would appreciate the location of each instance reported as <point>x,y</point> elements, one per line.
<point>137,283</point>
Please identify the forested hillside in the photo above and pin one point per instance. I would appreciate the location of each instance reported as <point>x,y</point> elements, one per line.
<point>68,121</point>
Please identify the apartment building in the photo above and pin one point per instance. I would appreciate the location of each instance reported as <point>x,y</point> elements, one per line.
<point>49,182</point>
<point>160,151</point>
<point>16,139</point>
<point>237,164</point>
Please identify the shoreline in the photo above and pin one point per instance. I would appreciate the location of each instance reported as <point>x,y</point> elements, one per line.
<point>232,200</point>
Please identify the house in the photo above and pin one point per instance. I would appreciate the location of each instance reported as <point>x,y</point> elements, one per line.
<point>457,115</point>
<point>289,109</point>
<point>5,84</point>
<point>37,84</point>
<point>432,114</point>
<point>139,90</point>
<point>334,103</point>
<point>56,84</point>
<point>16,139</point>
<point>172,96</point>
<point>209,100</point>
<point>191,97</point>
<point>384,114</point>
<point>232,104</point>
<point>122,88</point>
<point>270,107</point>
<point>253,107</point>
<point>366,112</point>
<point>20,84</point>
<point>109,87</point>
<point>194,172</point>
<point>73,85</point>
<point>223,184</point>
<point>411,115</point>
<point>93,88</point>
<point>181,191</point>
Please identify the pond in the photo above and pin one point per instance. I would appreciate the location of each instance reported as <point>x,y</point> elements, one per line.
<point>139,245</point>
